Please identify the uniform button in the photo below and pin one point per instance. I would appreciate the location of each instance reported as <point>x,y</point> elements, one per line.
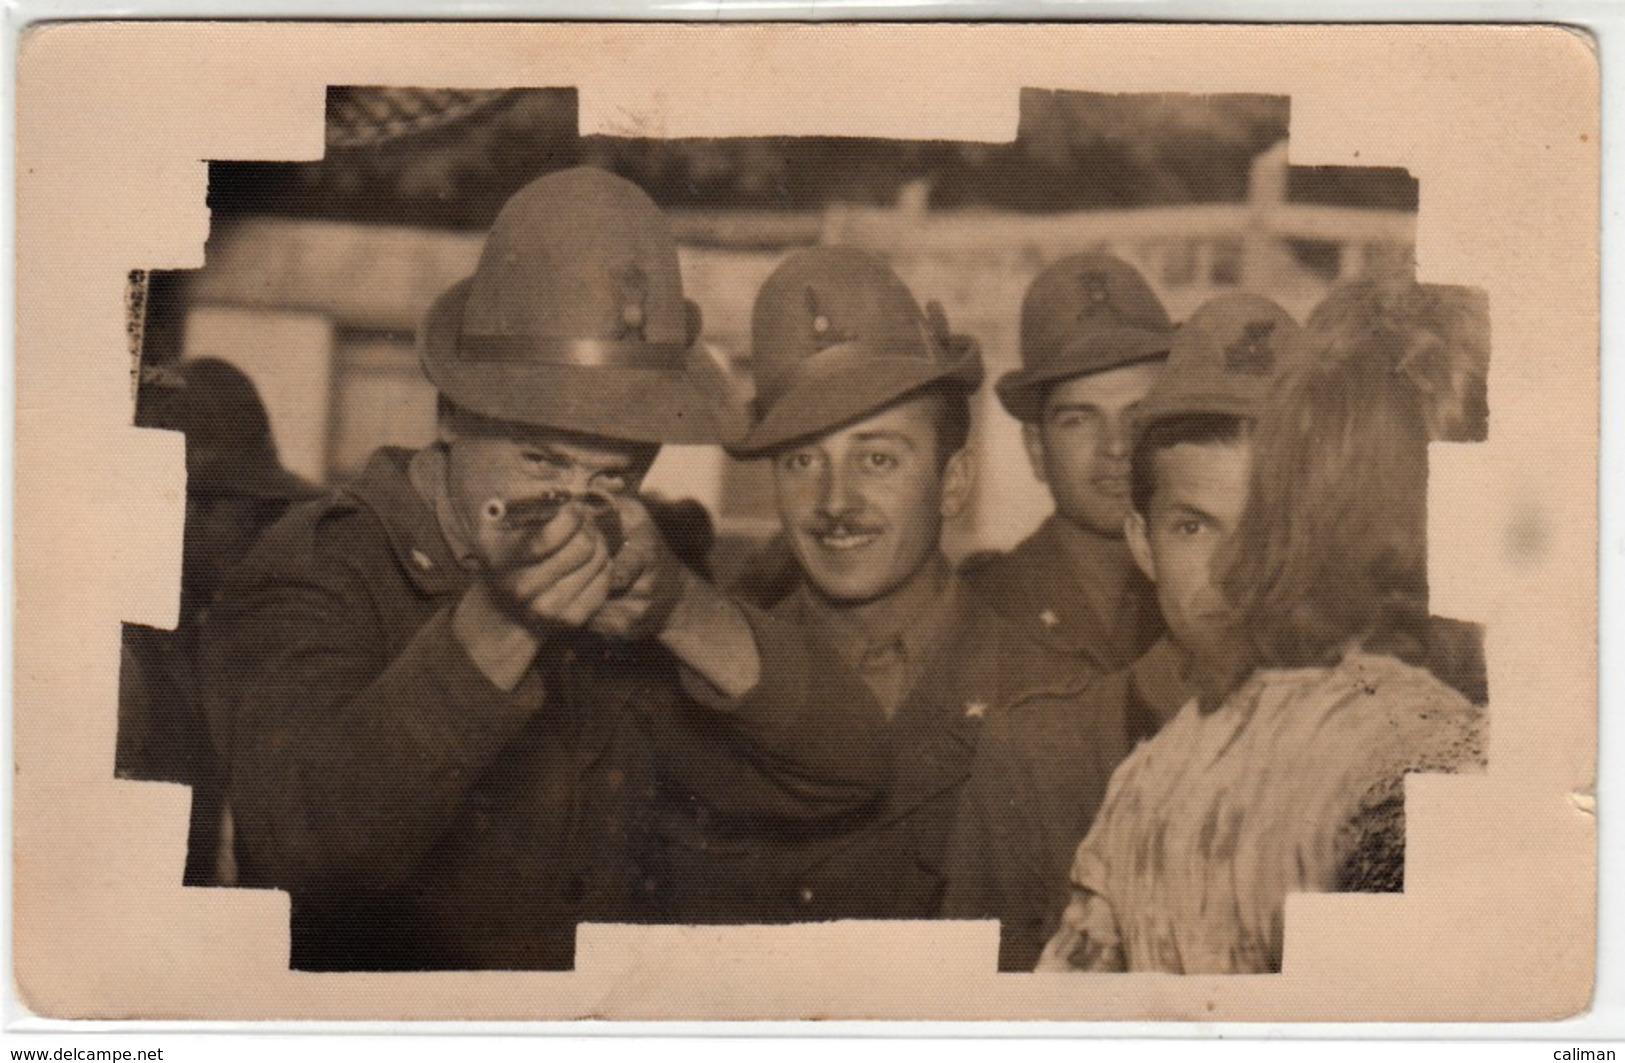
<point>1049,619</point>
<point>975,710</point>
<point>806,895</point>
<point>422,560</point>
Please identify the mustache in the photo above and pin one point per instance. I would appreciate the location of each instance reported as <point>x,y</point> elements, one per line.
<point>820,527</point>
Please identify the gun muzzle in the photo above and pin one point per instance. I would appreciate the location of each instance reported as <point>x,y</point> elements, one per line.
<point>530,514</point>
<point>525,513</point>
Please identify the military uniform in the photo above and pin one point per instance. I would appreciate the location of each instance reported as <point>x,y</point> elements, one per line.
<point>1045,763</point>
<point>443,766</point>
<point>888,860</point>
<point>1073,588</point>
<point>1074,591</point>
<point>424,819</point>
<point>838,339</point>
<point>235,486</point>
<point>1294,782</point>
<point>1041,773</point>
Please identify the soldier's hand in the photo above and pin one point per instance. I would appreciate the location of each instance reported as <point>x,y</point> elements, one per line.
<point>647,582</point>
<point>533,582</point>
<point>558,575</point>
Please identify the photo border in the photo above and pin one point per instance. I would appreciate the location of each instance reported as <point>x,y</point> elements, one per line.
<point>161,452</point>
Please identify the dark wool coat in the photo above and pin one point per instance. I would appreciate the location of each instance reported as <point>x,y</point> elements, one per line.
<point>1040,776</point>
<point>888,860</point>
<point>420,817</point>
<point>1039,587</point>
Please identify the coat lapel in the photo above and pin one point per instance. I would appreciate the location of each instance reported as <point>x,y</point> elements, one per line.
<point>1058,605</point>
<point>409,522</point>
<point>1060,614</point>
<point>936,730</point>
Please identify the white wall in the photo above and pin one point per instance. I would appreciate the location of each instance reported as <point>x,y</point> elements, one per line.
<point>289,356</point>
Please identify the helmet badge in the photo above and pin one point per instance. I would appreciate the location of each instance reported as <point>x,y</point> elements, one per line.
<point>1251,352</point>
<point>1097,296</point>
<point>824,332</point>
<point>634,285</point>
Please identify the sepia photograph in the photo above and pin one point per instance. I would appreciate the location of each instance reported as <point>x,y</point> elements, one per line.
<point>1035,548</point>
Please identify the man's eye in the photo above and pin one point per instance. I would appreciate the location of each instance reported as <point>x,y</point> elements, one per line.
<point>1190,527</point>
<point>800,461</point>
<point>879,461</point>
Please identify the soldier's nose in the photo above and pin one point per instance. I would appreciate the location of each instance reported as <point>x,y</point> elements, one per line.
<point>1116,437</point>
<point>837,497</point>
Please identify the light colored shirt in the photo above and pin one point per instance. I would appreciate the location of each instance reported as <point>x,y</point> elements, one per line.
<point>1208,826</point>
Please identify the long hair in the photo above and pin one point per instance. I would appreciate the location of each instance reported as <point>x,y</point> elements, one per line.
<point>1331,552</point>
<point>1447,346</point>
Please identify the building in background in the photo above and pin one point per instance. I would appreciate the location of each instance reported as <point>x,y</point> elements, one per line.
<point>318,273</point>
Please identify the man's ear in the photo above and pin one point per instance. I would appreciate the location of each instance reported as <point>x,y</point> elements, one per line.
<point>1139,544</point>
<point>1032,437</point>
<point>958,483</point>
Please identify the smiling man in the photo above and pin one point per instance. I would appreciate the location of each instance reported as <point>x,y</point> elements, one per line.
<point>1093,342</point>
<point>451,692</point>
<point>863,411</point>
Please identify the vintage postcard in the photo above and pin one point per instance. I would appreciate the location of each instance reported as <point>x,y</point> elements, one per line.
<point>929,522</point>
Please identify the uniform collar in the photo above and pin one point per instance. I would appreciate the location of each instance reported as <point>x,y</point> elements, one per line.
<point>1075,584</point>
<point>914,625</point>
<point>1100,566</point>
<point>913,617</point>
<point>386,488</point>
<point>427,471</point>
<point>1160,679</point>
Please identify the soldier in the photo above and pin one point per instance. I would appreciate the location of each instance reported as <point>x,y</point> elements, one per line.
<point>863,410</point>
<point>236,487</point>
<point>1093,340</point>
<point>450,692</point>
<point>1044,763</point>
<point>1304,607</point>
